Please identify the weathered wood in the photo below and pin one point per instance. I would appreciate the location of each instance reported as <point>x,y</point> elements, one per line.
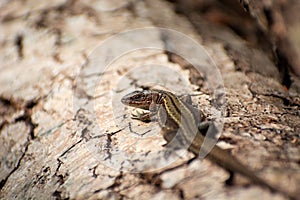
<point>65,135</point>
<point>280,20</point>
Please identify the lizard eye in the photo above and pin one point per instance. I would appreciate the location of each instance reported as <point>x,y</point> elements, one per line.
<point>138,96</point>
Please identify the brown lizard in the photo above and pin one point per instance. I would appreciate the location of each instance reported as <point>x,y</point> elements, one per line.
<point>179,122</point>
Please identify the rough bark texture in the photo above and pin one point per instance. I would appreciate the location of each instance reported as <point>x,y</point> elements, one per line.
<point>64,134</point>
<point>272,26</point>
<point>280,20</point>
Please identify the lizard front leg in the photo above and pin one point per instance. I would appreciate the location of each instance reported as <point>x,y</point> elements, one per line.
<point>147,115</point>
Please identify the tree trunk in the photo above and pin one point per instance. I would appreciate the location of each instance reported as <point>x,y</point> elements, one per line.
<point>65,135</point>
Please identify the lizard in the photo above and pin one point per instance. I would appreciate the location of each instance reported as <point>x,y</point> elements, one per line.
<point>178,120</point>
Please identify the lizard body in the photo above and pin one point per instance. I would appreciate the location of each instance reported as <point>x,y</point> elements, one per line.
<point>174,114</point>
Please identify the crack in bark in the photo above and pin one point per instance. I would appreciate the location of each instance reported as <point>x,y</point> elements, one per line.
<point>181,193</point>
<point>41,178</point>
<point>3,182</point>
<point>26,117</point>
<point>93,169</point>
<point>108,146</point>
<point>61,177</point>
<point>53,129</point>
<point>19,45</point>
<point>117,181</point>
<point>69,149</point>
<point>136,133</point>
<point>58,195</point>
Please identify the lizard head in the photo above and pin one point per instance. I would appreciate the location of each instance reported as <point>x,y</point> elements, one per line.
<point>138,99</point>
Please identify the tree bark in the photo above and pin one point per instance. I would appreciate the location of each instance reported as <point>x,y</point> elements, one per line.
<point>65,135</point>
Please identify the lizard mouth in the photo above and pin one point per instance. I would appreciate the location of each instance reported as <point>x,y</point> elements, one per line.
<point>137,99</point>
<point>125,101</point>
<point>136,104</point>
<point>131,103</point>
